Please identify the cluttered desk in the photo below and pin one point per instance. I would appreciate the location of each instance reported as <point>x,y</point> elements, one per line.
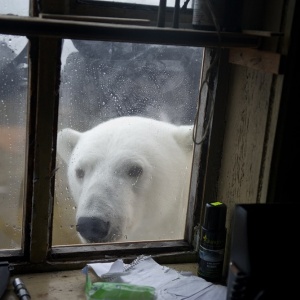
<point>168,282</point>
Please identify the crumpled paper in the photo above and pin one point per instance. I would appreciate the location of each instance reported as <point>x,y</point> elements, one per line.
<point>168,283</point>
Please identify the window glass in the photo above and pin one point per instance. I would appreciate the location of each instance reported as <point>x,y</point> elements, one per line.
<point>13,93</point>
<point>128,178</point>
<point>15,7</point>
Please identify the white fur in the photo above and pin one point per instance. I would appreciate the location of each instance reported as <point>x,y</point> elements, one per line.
<point>135,175</point>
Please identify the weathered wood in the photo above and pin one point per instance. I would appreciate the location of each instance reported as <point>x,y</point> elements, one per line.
<point>73,264</point>
<point>263,33</point>
<point>47,95</point>
<point>102,251</point>
<point>245,142</point>
<point>123,33</point>
<point>265,61</point>
<point>130,21</point>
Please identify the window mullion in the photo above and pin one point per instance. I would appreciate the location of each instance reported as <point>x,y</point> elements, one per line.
<point>209,136</point>
<point>46,127</point>
<point>216,97</point>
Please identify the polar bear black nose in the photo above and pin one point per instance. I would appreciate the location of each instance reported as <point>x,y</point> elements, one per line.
<point>92,229</point>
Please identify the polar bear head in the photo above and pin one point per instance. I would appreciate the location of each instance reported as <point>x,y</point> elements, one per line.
<point>129,178</point>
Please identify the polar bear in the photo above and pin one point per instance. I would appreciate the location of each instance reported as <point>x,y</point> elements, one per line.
<point>129,178</point>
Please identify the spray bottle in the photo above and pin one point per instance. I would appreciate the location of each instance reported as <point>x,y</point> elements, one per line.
<point>212,242</point>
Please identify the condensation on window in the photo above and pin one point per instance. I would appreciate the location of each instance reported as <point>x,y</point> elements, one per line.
<point>104,198</point>
<point>13,115</point>
<point>15,7</point>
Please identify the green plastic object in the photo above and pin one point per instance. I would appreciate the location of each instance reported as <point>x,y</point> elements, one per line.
<point>116,291</point>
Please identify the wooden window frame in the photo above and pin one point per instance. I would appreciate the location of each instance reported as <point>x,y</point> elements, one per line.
<point>45,32</point>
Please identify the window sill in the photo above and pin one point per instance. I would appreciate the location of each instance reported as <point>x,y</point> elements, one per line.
<point>66,284</point>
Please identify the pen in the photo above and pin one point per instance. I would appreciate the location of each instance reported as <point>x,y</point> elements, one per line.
<point>20,289</point>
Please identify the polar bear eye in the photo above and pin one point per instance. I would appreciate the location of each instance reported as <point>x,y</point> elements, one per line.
<point>135,171</point>
<point>79,173</point>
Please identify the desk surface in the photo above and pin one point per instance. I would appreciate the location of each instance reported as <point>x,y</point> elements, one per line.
<point>64,285</point>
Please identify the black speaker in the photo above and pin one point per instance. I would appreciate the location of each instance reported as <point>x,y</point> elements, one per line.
<point>264,254</point>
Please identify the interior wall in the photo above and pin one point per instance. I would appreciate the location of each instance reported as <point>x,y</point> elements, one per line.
<point>252,112</point>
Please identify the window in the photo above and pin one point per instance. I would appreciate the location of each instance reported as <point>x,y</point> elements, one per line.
<point>75,69</point>
<point>104,80</point>
<point>13,118</point>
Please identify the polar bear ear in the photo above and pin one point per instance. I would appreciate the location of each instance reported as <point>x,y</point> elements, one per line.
<point>184,137</point>
<point>66,141</point>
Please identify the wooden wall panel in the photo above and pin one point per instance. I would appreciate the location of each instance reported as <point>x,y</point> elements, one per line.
<point>246,141</point>
<point>248,107</point>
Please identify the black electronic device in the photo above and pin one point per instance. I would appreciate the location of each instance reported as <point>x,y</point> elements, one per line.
<point>264,258</point>
<point>4,276</point>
